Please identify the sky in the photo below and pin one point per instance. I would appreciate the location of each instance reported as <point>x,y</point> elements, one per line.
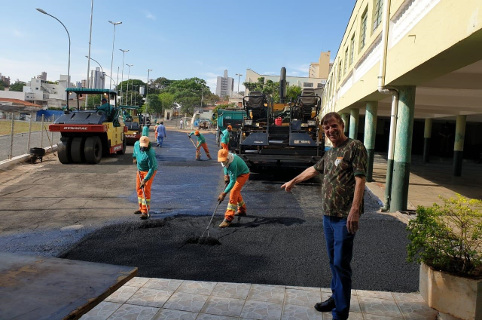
<point>177,39</point>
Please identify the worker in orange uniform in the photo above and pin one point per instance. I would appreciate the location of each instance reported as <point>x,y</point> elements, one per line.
<point>225,137</point>
<point>236,172</point>
<point>201,142</point>
<point>145,158</point>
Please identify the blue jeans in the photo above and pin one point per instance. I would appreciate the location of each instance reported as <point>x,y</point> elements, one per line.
<point>339,244</point>
<point>160,140</point>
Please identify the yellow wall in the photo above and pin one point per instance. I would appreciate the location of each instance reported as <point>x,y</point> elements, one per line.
<point>427,38</point>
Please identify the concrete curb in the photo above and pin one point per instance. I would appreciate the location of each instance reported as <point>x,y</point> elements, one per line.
<point>6,164</point>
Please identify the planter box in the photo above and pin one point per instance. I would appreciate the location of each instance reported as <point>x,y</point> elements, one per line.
<point>446,293</point>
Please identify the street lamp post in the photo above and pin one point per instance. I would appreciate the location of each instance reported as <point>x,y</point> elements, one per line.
<point>111,79</point>
<point>112,58</point>
<point>239,77</point>
<point>147,86</point>
<point>122,78</point>
<point>102,69</point>
<point>68,66</point>
<point>128,78</point>
<point>90,42</point>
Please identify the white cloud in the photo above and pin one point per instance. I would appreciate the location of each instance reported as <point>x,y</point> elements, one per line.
<point>149,15</point>
<point>17,33</point>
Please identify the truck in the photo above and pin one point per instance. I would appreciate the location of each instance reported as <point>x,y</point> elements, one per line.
<point>233,117</point>
<point>88,135</point>
<point>286,134</point>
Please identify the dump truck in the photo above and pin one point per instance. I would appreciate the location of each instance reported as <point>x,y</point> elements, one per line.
<point>87,135</point>
<point>233,117</point>
<point>287,134</point>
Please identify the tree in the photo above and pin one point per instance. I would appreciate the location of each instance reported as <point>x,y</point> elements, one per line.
<point>17,86</point>
<point>167,99</point>
<point>292,93</point>
<point>153,104</point>
<point>272,88</point>
<point>2,85</point>
<point>130,91</point>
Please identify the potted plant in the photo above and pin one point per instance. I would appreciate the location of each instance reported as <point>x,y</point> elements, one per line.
<point>447,240</point>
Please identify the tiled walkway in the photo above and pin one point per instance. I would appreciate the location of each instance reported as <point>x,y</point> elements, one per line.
<point>152,298</point>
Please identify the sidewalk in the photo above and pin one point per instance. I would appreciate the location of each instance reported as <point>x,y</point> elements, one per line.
<point>152,298</point>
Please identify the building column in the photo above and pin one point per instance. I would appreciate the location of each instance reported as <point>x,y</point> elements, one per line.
<point>354,113</point>
<point>403,149</point>
<point>370,134</point>
<point>346,122</point>
<point>427,135</point>
<point>459,144</point>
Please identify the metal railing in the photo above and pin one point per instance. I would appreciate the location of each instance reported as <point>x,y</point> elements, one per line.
<point>18,136</point>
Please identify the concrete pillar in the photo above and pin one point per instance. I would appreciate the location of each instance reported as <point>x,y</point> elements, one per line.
<point>427,134</point>
<point>403,149</point>
<point>370,134</point>
<point>345,118</point>
<point>354,113</point>
<point>459,144</point>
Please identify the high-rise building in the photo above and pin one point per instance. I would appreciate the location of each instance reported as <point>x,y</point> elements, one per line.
<point>97,79</point>
<point>224,85</point>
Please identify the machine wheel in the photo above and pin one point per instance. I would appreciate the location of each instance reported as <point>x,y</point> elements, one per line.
<point>124,145</point>
<point>63,150</point>
<point>77,150</point>
<point>93,149</point>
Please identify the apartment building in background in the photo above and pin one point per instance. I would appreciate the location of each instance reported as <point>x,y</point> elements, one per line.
<point>224,85</point>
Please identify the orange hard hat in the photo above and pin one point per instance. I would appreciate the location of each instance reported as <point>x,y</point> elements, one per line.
<point>222,155</point>
<point>230,127</point>
<point>196,133</point>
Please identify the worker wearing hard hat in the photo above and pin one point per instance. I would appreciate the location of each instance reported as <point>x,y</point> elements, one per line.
<point>236,172</point>
<point>225,137</point>
<point>201,142</point>
<point>145,157</point>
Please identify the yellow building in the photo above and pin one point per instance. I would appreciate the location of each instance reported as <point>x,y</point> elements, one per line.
<point>410,66</point>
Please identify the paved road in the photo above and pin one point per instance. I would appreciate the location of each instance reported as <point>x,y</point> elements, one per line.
<point>280,242</point>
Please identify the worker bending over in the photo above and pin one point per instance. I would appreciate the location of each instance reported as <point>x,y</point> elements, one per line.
<point>201,142</point>
<point>145,157</point>
<point>225,137</point>
<point>236,172</point>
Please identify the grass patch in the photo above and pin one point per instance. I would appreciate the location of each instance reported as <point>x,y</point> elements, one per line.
<point>19,126</point>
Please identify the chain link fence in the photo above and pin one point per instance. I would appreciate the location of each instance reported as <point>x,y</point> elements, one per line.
<point>18,136</point>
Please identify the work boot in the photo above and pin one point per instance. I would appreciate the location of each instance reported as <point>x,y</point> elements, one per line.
<point>145,216</point>
<point>240,213</point>
<point>225,223</point>
<point>137,212</point>
<point>326,306</point>
<point>198,159</point>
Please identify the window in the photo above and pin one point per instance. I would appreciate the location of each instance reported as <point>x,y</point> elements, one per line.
<point>319,85</point>
<point>307,85</point>
<point>339,71</point>
<point>377,14</point>
<point>363,29</point>
<point>345,65</point>
<point>352,48</point>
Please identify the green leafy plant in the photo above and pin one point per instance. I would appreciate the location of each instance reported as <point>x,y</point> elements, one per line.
<point>448,237</point>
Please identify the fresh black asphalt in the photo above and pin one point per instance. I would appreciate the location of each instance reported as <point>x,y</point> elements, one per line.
<point>279,242</point>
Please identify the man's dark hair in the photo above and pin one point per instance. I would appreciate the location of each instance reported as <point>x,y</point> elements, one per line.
<point>162,122</point>
<point>332,115</point>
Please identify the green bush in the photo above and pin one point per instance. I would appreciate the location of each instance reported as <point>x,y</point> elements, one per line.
<point>448,237</point>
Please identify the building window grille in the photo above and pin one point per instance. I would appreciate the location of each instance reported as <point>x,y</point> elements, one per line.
<point>363,29</point>
<point>377,14</point>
